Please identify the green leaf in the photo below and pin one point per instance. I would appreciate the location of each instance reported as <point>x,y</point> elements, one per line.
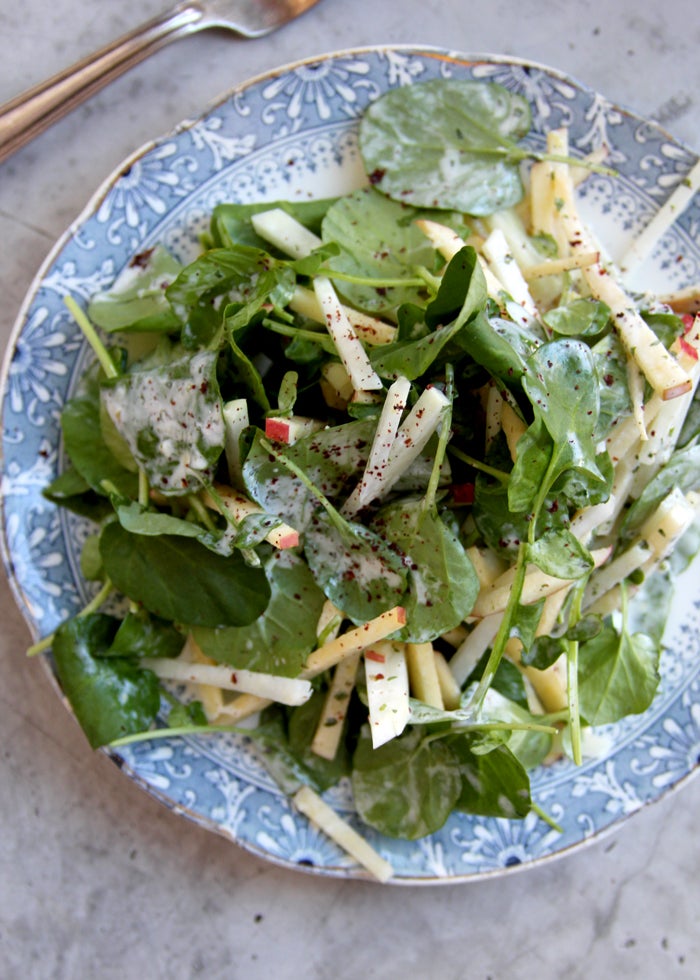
<point>86,448</point>
<point>171,418</point>
<point>359,570</point>
<point>442,583</point>
<point>579,318</point>
<point>331,458</point>
<point>447,144</point>
<point>559,553</point>
<point>618,675</point>
<point>303,722</point>
<point>136,302</point>
<point>461,296</point>
<point>378,240</point>
<point>180,580</point>
<point>494,783</point>
<point>230,223</point>
<point>109,696</point>
<point>281,638</point>
<point>141,635</point>
<point>499,346</point>
<point>407,787</point>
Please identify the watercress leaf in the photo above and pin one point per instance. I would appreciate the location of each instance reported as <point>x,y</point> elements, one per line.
<point>137,519</point>
<point>544,651</point>
<point>534,453</point>
<point>666,326</point>
<point>136,301</point>
<point>499,346</point>
<point>182,715</point>
<point>379,240</point>
<point>331,458</point>
<point>358,570</point>
<point>611,364</point>
<point>563,388</point>
<point>142,635</point>
<point>582,317</point>
<point>442,583</point>
<point>618,675</point>
<point>242,368</point>
<point>507,680</point>
<point>85,446</point>
<point>171,418</point>
<point>447,144</point>
<point>109,696</point>
<point>230,223</point>
<point>500,527</point>
<point>407,787</point>
<point>239,273</point>
<point>559,553</point>
<point>526,619</point>
<point>270,737</point>
<point>280,639</point>
<point>530,746</point>
<point>180,580</point>
<point>462,292</point>
<point>494,783</point>
<point>70,490</point>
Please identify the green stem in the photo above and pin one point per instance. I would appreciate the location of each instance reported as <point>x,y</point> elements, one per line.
<point>377,283</point>
<point>543,815</point>
<point>91,607</point>
<point>144,488</point>
<point>172,732</point>
<point>503,635</point>
<point>477,464</point>
<point>319,337</point>
<point>572,649</point>
<point>90,335</point>
<point>335,515</point>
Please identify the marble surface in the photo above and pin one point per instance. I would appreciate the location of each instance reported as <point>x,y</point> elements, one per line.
<point>97,880</point>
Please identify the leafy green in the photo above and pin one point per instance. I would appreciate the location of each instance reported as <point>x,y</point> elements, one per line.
<point>618,675</point>
<point>447,144</point>
<point>171,418</point>
<point>378,240</point>
<point>136,302</point>
<point>494,783</point>
<point>407,787</point>
<point>279,640</point>
<point>109,696</point>
<point>179,579</point>
<point>442,583</point>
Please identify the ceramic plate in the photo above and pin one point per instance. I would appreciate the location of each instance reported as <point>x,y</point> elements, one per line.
<point>293,134</point>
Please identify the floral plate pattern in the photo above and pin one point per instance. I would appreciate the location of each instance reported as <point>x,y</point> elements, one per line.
<point>292,134</point>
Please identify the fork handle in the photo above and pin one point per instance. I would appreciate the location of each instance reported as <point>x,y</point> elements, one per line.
<point>33,111</point>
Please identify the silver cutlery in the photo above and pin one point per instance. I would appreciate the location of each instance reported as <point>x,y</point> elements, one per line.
<point>33,111</point>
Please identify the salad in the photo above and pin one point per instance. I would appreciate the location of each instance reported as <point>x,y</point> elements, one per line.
<point>395,483</point>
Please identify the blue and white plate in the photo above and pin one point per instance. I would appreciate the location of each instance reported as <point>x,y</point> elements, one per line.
<point>293,134</point>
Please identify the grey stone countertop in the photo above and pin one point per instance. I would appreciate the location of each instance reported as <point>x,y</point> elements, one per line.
<point>98,880</point>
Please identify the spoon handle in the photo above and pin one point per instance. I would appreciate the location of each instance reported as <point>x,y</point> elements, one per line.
<point>33,111</point>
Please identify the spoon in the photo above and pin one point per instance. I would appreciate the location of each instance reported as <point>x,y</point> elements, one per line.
<point>31,112</point>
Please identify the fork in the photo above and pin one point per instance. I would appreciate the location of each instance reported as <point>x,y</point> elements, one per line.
<point>31,112</point>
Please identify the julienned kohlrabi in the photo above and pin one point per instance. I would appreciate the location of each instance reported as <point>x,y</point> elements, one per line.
<point>388,474</point>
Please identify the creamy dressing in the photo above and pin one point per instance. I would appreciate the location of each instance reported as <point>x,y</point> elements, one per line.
<point>174,426</point>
